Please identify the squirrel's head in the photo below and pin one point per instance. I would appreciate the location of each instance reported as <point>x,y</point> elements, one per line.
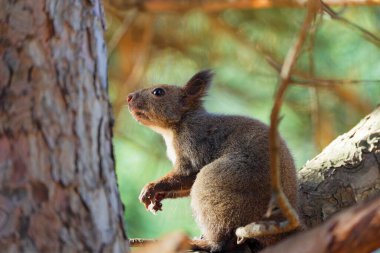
<point>164,105</point>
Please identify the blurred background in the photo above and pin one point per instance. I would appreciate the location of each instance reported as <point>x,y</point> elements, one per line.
<point>245,48</point>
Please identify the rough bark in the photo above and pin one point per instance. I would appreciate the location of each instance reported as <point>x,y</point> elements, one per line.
<point>58,190</point>
<point>346,172</point>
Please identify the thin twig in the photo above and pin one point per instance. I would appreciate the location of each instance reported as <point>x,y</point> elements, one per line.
<point>118,35</point>
<point>328,83</point>
<point>313,91</point>
<point>225,28</point>
<point>278,196</point>
<point>367,34</point>
<point>140,242</point>
<point>115,11</point>
<point>118,7</point>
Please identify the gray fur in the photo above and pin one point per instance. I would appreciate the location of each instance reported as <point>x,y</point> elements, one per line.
<point>226,158</point>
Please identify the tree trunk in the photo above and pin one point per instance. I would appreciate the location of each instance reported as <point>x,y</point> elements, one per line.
<point>58,189</point>
<point>344,173</point>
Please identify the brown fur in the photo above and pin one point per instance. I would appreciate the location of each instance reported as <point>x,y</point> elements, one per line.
<point>222,161</point>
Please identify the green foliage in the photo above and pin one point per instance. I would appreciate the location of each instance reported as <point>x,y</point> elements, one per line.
<point>244,84</point>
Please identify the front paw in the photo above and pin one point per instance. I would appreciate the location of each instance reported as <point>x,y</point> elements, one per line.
<point>151,198</point>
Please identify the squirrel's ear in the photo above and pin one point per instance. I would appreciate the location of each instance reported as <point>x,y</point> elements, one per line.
<point>197,86</point>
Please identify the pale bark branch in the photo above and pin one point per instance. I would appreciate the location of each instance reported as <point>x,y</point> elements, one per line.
<point>344,173</point>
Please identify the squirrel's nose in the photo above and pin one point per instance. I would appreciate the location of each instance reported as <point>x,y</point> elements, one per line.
<point>130,97</point>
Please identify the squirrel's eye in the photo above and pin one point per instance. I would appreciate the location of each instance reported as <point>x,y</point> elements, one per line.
<point>158,92</point>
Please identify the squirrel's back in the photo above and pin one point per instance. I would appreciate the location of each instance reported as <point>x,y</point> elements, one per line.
<point>204,137</point>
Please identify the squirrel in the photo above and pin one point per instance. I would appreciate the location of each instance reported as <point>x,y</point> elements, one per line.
<point>220,161</point>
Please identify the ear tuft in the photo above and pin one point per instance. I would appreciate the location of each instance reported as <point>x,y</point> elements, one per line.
<point>196,88</point>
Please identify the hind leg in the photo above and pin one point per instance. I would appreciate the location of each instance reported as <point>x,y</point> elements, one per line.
<point>228,193</point>
<point>278,222</point>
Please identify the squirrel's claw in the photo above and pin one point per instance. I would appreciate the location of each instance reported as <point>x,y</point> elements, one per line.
<point>151,199</point>
<point>147,194</point>
<point>154,207</point>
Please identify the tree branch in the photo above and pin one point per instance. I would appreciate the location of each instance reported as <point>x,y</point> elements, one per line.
<point>328,83</point>
<point>128,20</point>
<point>171,243</point>
<point>354,230</point>
<point>217,6</point>
<point>344,173</point>
<point>140,242</point>
<point>365,33</point>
